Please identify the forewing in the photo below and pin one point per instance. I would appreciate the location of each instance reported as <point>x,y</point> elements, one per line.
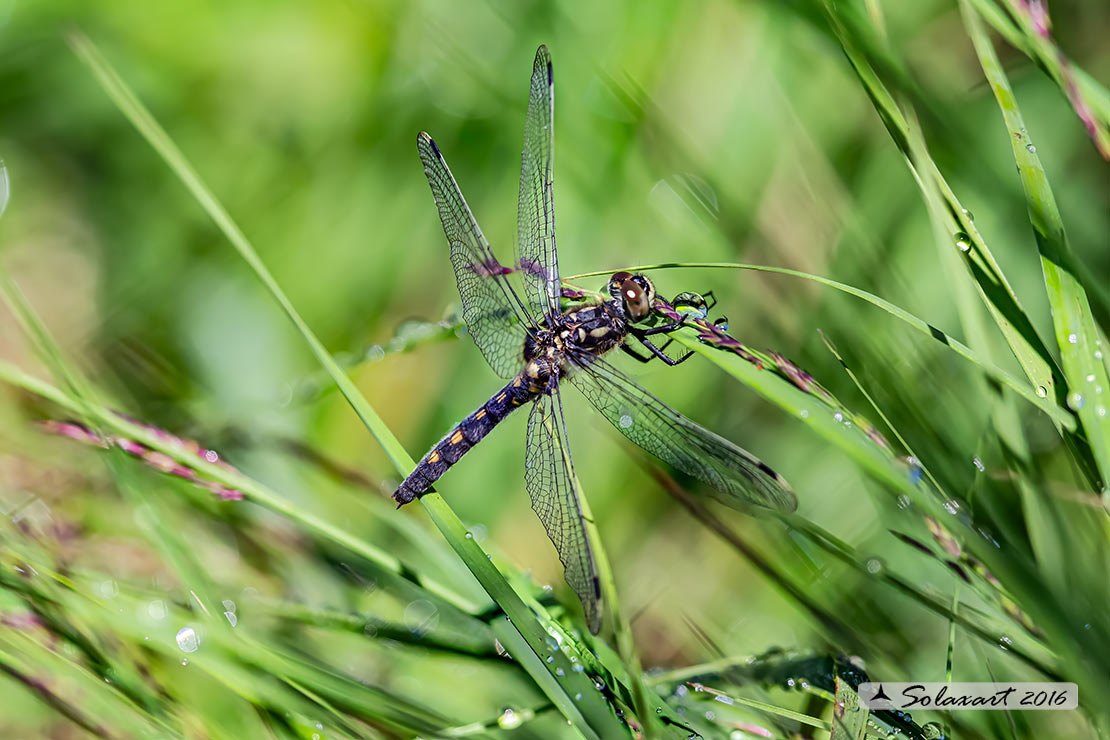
<point>740,479</point>
<point>537,259</point>
<point>490,308</point>
<point>555,500</point>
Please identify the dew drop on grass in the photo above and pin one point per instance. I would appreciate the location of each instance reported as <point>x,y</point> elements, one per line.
<point>188,640</point>
<point>874,566</point>
<point>231,618</point>
<point>421,617</point>
<point>968,214</point>
<point>156,609</point>
<point>1072,338</point>
<point>838,416</point>
<point>1032,149</point>
<point>1075,401</point>
<point>184,661</point>
<point>508,720</point>
<point>1042,391</point>
<point>375,353</point>
<point>931,731</point>
<point>978,464</point>
<point>963,241</point>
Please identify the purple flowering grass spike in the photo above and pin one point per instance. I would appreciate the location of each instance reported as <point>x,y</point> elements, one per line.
<point>155,459</point>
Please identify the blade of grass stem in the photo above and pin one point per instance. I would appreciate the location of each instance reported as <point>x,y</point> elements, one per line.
<point>1076,333</point>
<point>597,715</point>
<point>1057,413</point>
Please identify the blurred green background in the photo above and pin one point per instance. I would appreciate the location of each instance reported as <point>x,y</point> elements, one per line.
<point>700,131</point>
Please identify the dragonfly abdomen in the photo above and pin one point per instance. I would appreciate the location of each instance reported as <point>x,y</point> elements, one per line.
<point>467,433</point>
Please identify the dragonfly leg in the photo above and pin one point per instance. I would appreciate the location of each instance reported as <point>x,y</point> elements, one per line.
<point>661,329</point>
<point>659,353</point>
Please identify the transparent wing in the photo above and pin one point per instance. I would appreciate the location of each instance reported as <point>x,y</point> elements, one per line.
<point>492,311</point>
<point>537,259</point>
<point>740,479</point>
<point>555,500</point>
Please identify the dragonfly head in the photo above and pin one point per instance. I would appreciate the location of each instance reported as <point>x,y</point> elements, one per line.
<point>634,294</point>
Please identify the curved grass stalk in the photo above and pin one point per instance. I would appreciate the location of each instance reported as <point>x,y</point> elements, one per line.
<point>1018,386</point>
<point>589,713</point>
<point>1076,333</point>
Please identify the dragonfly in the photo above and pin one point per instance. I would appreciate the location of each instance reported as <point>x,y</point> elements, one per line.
<point>516,319</point>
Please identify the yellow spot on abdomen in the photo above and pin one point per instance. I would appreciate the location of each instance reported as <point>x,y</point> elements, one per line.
<point>433,457</point>
<point>456,437</point>
<point>501,396</point>
<point>481,414</point>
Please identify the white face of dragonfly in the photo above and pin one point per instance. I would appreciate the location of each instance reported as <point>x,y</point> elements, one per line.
<point>634,294</point>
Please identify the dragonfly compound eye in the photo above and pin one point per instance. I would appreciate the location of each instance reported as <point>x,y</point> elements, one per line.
<point>635,300</point>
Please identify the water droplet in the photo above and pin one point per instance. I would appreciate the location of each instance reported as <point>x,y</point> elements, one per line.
<point>967,213</point>
<point>952,506</point>
<point>578,668</point>
<point>559,672</point>
<point>1072,338</point>
<point>1091,378</point>
<point>1101,411</point>
<point>156,609</point>
<point>1032,149</point>
<point>1042,391</point>
<point>188,640</point>
<point>478,532</point>
<point>838,416</point>
<point>231,618</point>
<point>978,464</point>
<point>711,715</point>
<point>469,536</point>
<point>963,241</point>
<point>874,566</point>
<point>109,589</point>
<point>904,501</point>
<point>1075,401</point>
<point>1098,354</point>
<point>375,353</point>
<point>1005,642</point>
<point>803,413</point>
<point>626,421</point>
<point>550,659</point>
<point>421,617</point>
<point>509,720</point>
<point>184,661</point>
<point>932,731</point>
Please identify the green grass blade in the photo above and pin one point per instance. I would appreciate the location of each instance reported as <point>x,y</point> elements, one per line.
<point>133,109</point>
<point>849,716</point>
<point>1076,333</point>
<point>598,717</point>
